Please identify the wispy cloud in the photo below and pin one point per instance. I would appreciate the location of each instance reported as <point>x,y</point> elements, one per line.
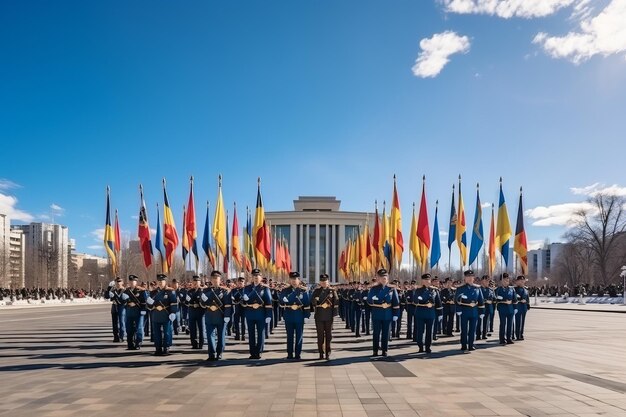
<point>507,8</point>
<point>6,184</point>
<point>8,206</point>
<point>56,209</point>
<point>598,188</point>
<point>95,247</point>
<point>436,52</point>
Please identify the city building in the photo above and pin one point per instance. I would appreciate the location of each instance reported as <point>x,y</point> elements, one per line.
<point>47,253</point>
<point>540,261</point>
<point>316,232</point>
<point>5,262</point>
<point>87,270</point>
<point>17,256</point>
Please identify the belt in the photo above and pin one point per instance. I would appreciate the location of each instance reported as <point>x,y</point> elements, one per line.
<point>427,305</point>
<point>324,305</point>
<point>159,308</point>
<point>505,302</point>
<point>449,302</point>
<point>522,301</point>
<point>131,304</point>
<point>383,305</point>
<point>294,307</point>
<point>472,304</point>
<point>213,308</point>
<point>489,302</point>
<point>254,306</point>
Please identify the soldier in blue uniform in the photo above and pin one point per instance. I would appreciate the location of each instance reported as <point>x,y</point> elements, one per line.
<point>196,313</point>
<point>470,306</point>
<point>435,285</point>
<point>410,310</point>
<point>164,305</point>
<point>176,325</point>
<point>447,301</point>
<point>257,302</point>
<point>135,299</point>
<point>506,301</point>
<point>118,309</point>
<point>396,326</point>
<point>523,305</point>
<point>356,301</point>
<point>218,308</point>
<point>184,307</point>
<point>427,304</point>
<point>296,304</point>
<point>366,317</point>
<point>489,297</point>
<point>239,317</point>
<point>385,305</point>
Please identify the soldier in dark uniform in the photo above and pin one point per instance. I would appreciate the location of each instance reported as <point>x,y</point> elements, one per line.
<point>196,313</point>
<point>239,318</point>
<point>296,304</point>
<point>447,301</point>
<point>257,302</point>
<point>135,299</point>
<point>523,305</point>
<point>366,317</point>
<point>489,296</point>
<point>323,302</point>
<point>396,326</point>
<point>118,308</point>
<point>176,325</point>
<point>217,304</point>
<point>506,302</point>
<point>164,305</point>
<point>275,305</point>
<point>436,286</point>
<point>470,306</point>
<point>183,308</point>
<point>385,305</point>
<point>426,301</point>
<point>410,310</point>
<point>357,308</point>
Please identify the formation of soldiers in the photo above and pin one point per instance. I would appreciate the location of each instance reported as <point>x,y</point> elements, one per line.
<point>211,312</point>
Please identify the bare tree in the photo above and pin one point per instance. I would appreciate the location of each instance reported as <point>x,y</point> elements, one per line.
<point>573,266</point>
<point>598,229</point>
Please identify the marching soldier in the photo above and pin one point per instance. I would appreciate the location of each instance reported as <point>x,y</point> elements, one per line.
<point>177,321</point>
<point>296,304</point>
<point>523,305</point>
<point>506,300</point>
<point>488,296</point>
<point>447,301</point>
<point>239,318</point>
<point>470,306</point>
<point>323,302</point>
<point>427,303</point>
<point>257,302</point>
<point>135,299</point>
<point>410,310</point>
<point>385,305</point>
<point>396,326</point>
<point>366,318</point>
<point>196,313</point>
<point>164,306</point>
<point>218,305</point>
<point>118,309</point>
<point>357,308</point>
<point>436,286</point>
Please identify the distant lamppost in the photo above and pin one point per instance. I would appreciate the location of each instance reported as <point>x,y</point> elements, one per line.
<point>623,275</point>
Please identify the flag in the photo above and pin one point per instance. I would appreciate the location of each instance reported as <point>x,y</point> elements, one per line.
<point>170,236</point>
<point>206,239</point>
<point>261,235</point>
<point>219,222</point>
<point>376,239</point>
<point>109,235</point>
<point>461,235</point>
<point>503,228</point>
<point>227,254</point>
<point>248,250</point>
<point>452,229</point>
<point>118,239</point>
<point>342,262</point>
<point>521,245</point>
<point>287,258</point>
<point>192,232</point>
<point>396,225</point>
<point>369,255</point>
<point>413,246</point>
<point>477,230</point>
<point>278,258</point>
<point>492,244</point>
<point>423,231</point>
<point>143,232</point>
<point>235,250</point>
<point>185,245</point>
<point>435,252</point>
<point>387,251</point>
<point>159,242</point>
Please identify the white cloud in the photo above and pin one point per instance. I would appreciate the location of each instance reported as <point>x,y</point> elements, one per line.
<point>486,205</point>
<point>556,215</point>
<point>508,8</point>
<point>443,233</point>
<point>598,188</point>
<point>535,244</point>
<point>603,34</point>
<point>6,184</point>
<point>98,234</point>
<point>95,247</point>
<point>134,217</point>
<point>436,52</point>
<point>56,209</point>
<point>8,206</point>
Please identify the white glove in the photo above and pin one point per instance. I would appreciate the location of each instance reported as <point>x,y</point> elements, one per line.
<point>149,300</point>
<point>188,298</point>
<point>110,294</point>
<point>458,313</point>
<point>499,297</point>
<point>226,319</point>
<point>420,298</point>
<point>440,318</point>
<point>375,298</point>
<point>268,320</point>
<point>515,311</point>
<point>306,320</point>
<point>112,284</point>
<point>204,297</point>
<point>285,300</point>
<point>464,297</point>
<point>143,313</point>
<point>172,317</point>
<point>482,316</point>
<point>245,297</point>
<point>125,297</point>
<point>395,318</point>
<point>365,298</point>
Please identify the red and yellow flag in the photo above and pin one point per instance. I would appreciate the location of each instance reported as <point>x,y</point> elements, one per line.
<point>520,245</point>
<point>143,232</point>
<point>235,249</point>
<point>396,225</point>
<point>423,230</point>
<point>261,233</point>
<point>185,244</point>
<point>170,236</point>
<point>190,225</point>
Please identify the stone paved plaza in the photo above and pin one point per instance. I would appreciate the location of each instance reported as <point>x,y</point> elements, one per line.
<point>60,361</point>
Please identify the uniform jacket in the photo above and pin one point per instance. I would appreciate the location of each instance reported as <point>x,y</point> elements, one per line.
<point>384,301</point>
<point>326,296</point>
<point>466,295</point>
<point>218,304</point>
<point>506,300</point>
<point>298,304</point>
<point>257,295</point>
<point>422,298</point>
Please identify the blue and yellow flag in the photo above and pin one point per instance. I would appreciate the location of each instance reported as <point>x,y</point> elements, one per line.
<point>158,241</point>
<point>477,230</point>
<point>206,240</point>
<point>503,229</point>
<point>109,235</point>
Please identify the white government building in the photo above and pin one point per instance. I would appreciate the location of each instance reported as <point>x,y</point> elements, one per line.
<point>316,232</point>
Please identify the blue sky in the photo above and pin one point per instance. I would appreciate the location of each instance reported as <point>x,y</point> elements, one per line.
<point>317,98</point>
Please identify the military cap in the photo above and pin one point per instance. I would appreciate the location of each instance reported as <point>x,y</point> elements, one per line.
<point>366,283</point>
<point>241,279</point>
<point>324,277</point>
<point>426,276</point>
<point>216,274</point>
<point>520,278</point>
<point>132,277</point>
<point>118,279</point>
<point>505,275</point>
<point>161,277</point>
<point>196,278</point>
<point>382,272</point>
<point>484,277</point>
<point>413,282</point>
<point>446,280</point>
<point>256,271</point>
<point>406,282</point>
<point>469,273</point>
<point>174,281</point>
<point>294,275</point>
<point>435,278</point>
